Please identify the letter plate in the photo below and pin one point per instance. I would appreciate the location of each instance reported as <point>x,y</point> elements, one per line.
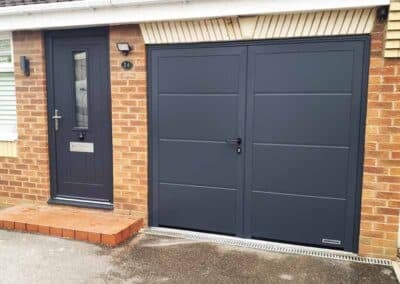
<point>82,147</point>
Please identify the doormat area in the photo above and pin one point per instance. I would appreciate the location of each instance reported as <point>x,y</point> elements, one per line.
<point>70,223</point>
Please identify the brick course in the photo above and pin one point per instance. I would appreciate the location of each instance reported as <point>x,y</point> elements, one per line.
<point>129,122</point>
<point>381,182</point>
<point>27,177</point>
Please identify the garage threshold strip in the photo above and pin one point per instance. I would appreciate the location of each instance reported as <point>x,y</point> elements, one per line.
<point>265,245</point>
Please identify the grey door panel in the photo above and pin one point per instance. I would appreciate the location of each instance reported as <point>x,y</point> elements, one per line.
<point>297,219</point>
<point>317,119</point>
<point>78,84</point>
<point>305,68</point>
<point>201,71</point>
<point>198,163</point>
<point>197,207</point>
<point>317,171</point>
<point>297,106</point>
<point>198,116</point>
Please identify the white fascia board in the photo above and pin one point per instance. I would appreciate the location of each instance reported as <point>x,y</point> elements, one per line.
<point>76,5</point>
<point>114,12</point>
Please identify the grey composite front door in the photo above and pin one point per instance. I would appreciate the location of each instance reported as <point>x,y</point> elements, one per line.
<point>79,117</point>
<point>260,140</point>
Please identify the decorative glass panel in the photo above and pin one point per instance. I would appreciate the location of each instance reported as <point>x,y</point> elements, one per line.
<point>81,109</point>
<point>5,51</point>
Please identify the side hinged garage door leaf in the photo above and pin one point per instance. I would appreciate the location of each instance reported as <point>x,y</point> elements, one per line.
<point>260,140</point>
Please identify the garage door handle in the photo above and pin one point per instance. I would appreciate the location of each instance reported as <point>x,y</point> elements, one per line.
<point>234,141</point>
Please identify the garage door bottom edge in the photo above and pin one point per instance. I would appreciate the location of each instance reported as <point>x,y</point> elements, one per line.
<point>265,245</point>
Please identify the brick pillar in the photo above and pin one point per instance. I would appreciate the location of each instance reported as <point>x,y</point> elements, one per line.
<point>26,178</point>
<point>129,122</point>
<point>381,186</point>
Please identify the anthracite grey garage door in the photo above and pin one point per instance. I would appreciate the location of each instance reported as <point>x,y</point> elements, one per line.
<point>259,140</point>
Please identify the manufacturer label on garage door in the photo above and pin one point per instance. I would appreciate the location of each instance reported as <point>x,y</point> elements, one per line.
<point>331,242</point>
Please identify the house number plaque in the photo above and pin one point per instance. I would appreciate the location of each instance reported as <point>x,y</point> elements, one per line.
<point>82,147</point>
<point>127,65</point>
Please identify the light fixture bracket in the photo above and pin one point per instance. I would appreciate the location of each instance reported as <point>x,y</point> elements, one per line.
<point>124,48</point>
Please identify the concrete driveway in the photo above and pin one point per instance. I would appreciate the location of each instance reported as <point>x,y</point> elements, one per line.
<point>27,258</point>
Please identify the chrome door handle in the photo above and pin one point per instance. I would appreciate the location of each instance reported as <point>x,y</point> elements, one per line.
<point>56,117</point>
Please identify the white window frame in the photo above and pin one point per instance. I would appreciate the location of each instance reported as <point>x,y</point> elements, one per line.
<point>7,67</point>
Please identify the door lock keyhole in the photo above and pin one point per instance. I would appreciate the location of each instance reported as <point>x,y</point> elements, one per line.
<point>81,135</point>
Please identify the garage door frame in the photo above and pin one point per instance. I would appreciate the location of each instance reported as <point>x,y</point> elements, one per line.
<point>152,155</point>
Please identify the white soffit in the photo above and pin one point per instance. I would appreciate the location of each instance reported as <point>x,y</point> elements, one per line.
<point>323,23</point>
<point>113,12</point>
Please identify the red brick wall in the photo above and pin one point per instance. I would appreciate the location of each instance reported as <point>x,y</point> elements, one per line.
<point>26,178</point>
<point>381,184</point>
<point>129,122</point>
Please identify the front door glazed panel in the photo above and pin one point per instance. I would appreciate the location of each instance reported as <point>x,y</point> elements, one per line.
<point>80,90</point>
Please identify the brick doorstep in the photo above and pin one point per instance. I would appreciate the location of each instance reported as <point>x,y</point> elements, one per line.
<point>92,227</point>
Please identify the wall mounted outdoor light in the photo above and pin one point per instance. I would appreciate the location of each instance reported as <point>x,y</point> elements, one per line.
<point>124,48</point>
<point>24,64</point>
<point>382,13</point>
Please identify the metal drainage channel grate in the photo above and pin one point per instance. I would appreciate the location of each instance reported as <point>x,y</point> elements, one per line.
<point>265,245</point>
